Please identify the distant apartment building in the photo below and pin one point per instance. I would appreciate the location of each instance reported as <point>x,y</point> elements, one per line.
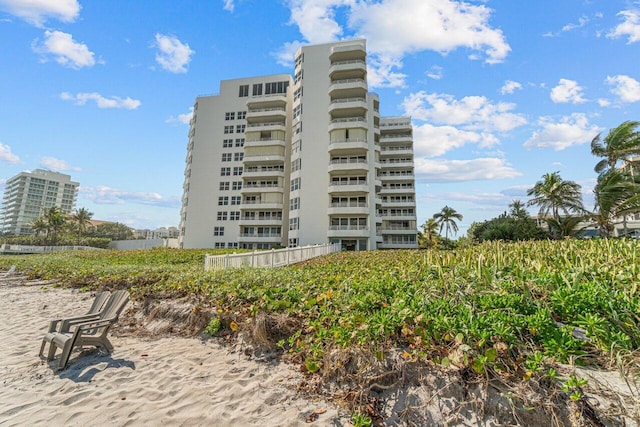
<point>278,161</point>
<point>28,194</point>
<point>158,233</point>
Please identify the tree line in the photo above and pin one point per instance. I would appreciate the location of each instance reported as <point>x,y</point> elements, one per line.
<point>560,204</point>
<point>54,227</point>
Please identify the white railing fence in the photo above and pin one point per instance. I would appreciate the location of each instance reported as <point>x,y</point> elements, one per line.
<point>29,249</point>
<point>272,258</point>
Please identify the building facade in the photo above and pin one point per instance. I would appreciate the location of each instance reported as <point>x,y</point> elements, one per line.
<point>27,194</point>
<point>317,163</point>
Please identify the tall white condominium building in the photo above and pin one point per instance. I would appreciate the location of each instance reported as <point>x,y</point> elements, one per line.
<point>273,161</point>
<point>27,194</point>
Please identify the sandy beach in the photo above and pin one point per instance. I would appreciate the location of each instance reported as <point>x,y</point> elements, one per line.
<point>168,381</point>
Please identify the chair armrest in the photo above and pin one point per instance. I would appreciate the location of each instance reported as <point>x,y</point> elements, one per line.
<point>53,324</point>
<point>74,321</point>
<point>97,324</point>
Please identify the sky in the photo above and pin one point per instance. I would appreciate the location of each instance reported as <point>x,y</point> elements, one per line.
<point>500,92</point>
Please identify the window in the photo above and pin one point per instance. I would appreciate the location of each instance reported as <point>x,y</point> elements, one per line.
<point>237,157</point>
<point>232,245</point>
<point>237,185</point>
<point>242,115</point>
<point>234,215</point>
<point>294,204</point>
<point>293,243</point>
<point>239,142</point>
<point>229,116</point>
<point>218,231</point>
<point>296,164</point>
<point>219,245</point>
<point>226,157</point>
<point>228,129</point>
<point>243,91</point>
<point>299,59</point>
<point>257,89</point>
<point>275,87</point>
<point>223,201</point>
<point>222,216</point>
<point>237,171</point>
<point>294,224</point>
<point>236,200</point>
<point>295,184</point>
<point>225,171</point>
<point>240,128</point>
<point>227,143</point>
<point>224,185</point>
<point>297,111</point>
<point>298,77</point>
<point>297,93</point>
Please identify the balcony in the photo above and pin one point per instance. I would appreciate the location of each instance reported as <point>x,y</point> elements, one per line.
<point>398,177</point>
<point>350,145</point>
<point>341,165</point>
<point>396,137</point>
<point>260,222</point>
<point>263,172</point>
<point>397,190</point>
<point>396,125</point>
<point>358,65</point>
<point>348,188</point>
<point>266,101</point>
<point>398,230</point>
<point>348,107</point>
<point>348,231</point>
<point>348,208</point>
<point>348,51</point>
<point>348,123</point>
<point>396,163</point>
<point>352,88</point>
<point>265,142</point>
<point>260,205</point>
<point>273,113</point>
<point>389,245</point>
<point>396,150</point>
<point>266,158</point>
<point>248,189</point>
<point>266,126</point>
<point>260,238</point>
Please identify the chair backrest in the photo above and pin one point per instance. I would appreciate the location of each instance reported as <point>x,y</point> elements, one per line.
<point>99,301</point>
<point>115,304</point>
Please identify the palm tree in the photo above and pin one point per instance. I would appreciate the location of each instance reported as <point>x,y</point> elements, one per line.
<point>553,194</point>
<point>429,237</point>
<point>38,225</point>
<point>621,143</point>
<point>568,226</point>
<point>446,218</point>
<point>617,193</point>
<point>518,209</point>
<point>81,219</point>
<point>55,222</point>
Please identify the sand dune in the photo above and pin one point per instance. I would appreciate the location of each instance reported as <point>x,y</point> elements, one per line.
<point>166,381</point>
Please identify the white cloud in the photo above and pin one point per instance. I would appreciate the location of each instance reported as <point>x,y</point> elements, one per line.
<point>315,19</point>
<point>7,156</point>
<point>582,21</point>
<point>174,56</point>
<point>183,119</point>
<point>431,141</point>
<point>439,25</point>
<point>65,50</point>
<point>228,5</point>
<point>569,131</point>
<point>57,165</point>
<point>36,12</point>
<point>102,102</point>
<point>630,27</point>
<point>626,88</point>
<point>417,25</point>
<point>509,87</point>
<point>463,170</point>
<point>112,196</point>
<point>435,72</point>
<point>567,91</point>
<point>604,102</point>
<point>473,112</point>
<point>285,55</point>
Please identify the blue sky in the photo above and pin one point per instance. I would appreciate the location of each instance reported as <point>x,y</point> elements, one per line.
<point>499,91</point>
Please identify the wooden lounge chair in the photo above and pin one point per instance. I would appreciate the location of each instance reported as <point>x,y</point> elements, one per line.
<point>64,325</point>
<point>91,331</point>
